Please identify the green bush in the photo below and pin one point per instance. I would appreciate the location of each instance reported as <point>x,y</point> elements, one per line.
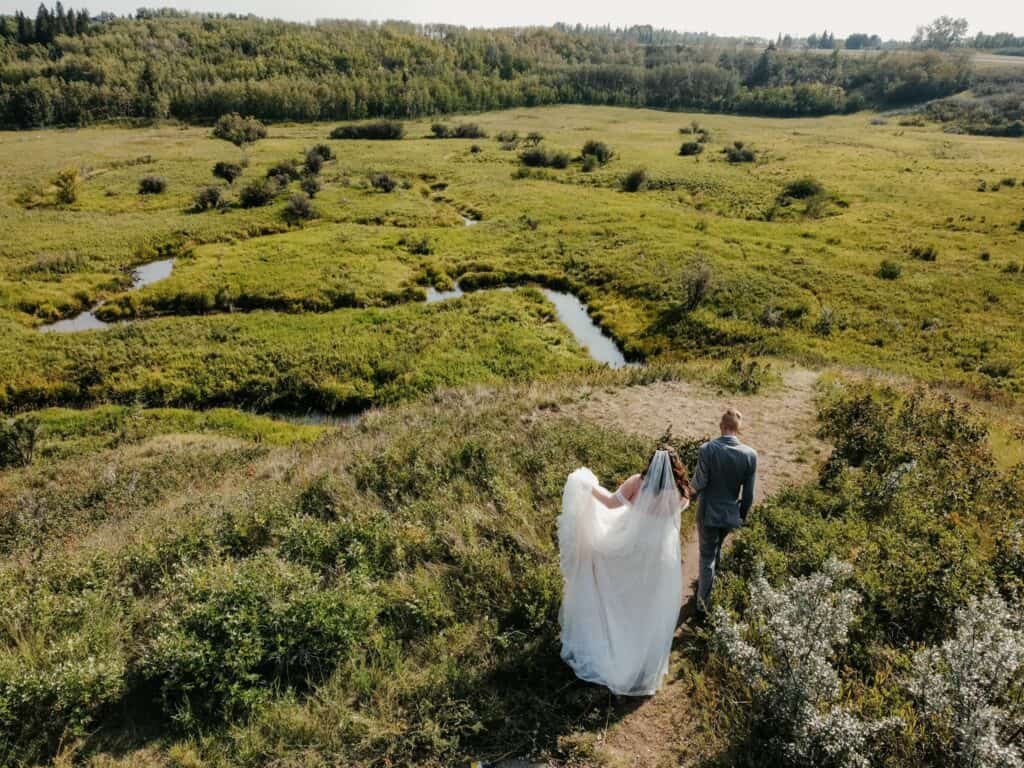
<point>924,252</point>
<point>152,185</point>
<point>257,193</point>
<point>635,180</point>
<point>691,148</point>
<point>311,186</point>
<point>227,171</point>
<point>285,169</point>
<point>379,130</point>
<point>383,182</point>
<point>299,208</point>
<point>738,153</point>
<point>231,633</point>
<point>18,440</point>
<point>459,131</point>
<point>324,150</point>
<point>209,198</point>
<point>599,150</point>
<point>68,182</point>
<point>314,162</point>
<point>239,130</point>
<point>801,189</point>
<point>538,157</point>
<point>590,163</point>
<point>889,270</point>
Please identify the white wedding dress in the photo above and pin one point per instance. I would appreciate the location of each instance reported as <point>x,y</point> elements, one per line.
<point>623,581</point>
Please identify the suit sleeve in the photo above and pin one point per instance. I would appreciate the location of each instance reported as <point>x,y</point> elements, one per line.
<point>749,485</point>
<point>700,475</point>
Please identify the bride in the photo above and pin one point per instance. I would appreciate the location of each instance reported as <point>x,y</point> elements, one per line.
<point>621,566</point>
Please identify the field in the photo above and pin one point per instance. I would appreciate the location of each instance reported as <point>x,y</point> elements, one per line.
<point>203,564</point>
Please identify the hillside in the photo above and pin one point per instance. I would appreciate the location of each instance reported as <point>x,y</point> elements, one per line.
<point>285,427</point>
<point>196,68</point>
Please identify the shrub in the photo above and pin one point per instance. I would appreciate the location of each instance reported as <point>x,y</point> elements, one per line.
<point>738,153</point>
<point>299,208</point>
<point>469,131</point>
<point>257,193</point>
<point>1012,268</point>
<point>533,138</point>
<point>889,270</point>
<point>985,256</point>
<point>383,182</point>
<point>747,377</point>
<point>598,149</point>
<point>233,631</point>
<point>1009,181</point>
<point>314,162</point>
<point>590,163</point>
<point>208,198</point>
<point>311,186</point>
<point>460,131</point>
<point>420,245</point>
<point>691,148</point>
<point>538,157</point>
<point>380,130</point>
<point>697,281</point>
<point>227,171</point>
<point>67,182</point>
<point>239,130</point>
<point>826,322</point>
<point>18,441</point>
<point>635,180</point>
<point>924,252</point>
<point>965,686</point>
<point>285,169</point>
<point>324,150</point>
<point>801,189</point>
<point>476,149</point>
<point>508,137</point>
<point>784,655</point>
<point>152,185</point>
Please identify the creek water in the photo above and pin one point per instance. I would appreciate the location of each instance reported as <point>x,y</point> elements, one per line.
<point>572,313</point>
<point>143,275</point>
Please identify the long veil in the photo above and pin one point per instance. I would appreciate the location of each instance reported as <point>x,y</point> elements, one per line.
<point>622,580</point>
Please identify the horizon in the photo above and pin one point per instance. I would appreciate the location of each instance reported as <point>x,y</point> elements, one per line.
<point>798,18</point>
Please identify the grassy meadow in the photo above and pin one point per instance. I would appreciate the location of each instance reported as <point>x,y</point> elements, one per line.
<point>192,576</point>
<point>798,278</point>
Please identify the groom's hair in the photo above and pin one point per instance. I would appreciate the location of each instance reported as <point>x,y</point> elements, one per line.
<point>732,420</point>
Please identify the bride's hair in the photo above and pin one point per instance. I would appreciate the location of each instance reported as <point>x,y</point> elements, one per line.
<point>679,473</point>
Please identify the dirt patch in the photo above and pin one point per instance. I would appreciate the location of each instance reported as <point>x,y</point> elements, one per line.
<point>780,423</point>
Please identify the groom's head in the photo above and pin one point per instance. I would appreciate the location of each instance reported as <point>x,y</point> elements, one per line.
<point>732,420</point>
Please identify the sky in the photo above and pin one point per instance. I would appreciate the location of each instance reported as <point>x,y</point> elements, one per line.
<point>892,19</point>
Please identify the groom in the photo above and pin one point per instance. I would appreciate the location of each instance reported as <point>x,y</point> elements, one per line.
<point>725,478</point>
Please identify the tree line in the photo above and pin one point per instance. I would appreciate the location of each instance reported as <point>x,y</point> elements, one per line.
<point>197,67</point>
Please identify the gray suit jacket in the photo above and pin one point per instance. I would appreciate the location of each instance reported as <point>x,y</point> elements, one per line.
<point>725,479</point>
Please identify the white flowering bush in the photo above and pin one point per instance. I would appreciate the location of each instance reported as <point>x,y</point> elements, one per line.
<point>970,686</point>
<point>785,653</point>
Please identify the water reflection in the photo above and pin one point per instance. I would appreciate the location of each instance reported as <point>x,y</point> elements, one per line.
<point>144,275</point>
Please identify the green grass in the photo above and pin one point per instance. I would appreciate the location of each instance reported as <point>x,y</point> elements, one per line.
<point>336,362</point>
<point>390,593</point>
<point>888,188</point>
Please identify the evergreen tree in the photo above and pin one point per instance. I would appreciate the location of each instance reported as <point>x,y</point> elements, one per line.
<point>44,25</point>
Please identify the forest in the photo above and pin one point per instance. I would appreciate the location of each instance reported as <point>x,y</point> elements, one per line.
<point>65,69</point>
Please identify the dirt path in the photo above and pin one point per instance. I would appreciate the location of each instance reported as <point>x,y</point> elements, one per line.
<point>780,424</point>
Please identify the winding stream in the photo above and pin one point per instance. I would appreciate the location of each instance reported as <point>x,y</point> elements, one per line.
<point>572,313</point>
<point>144,275</point>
